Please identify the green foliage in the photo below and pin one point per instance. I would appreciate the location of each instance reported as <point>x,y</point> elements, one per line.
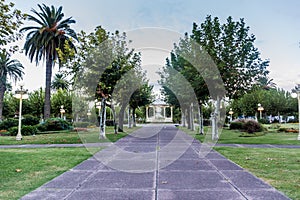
<point>25,130</point>
<point>236,125</point>
<point>274,101</point>
<point>251,126</point>
<point>59,98</point>
<point>30,120</point>
<point>8,123</point>
<point>54,124</point>
<point>11,20</point>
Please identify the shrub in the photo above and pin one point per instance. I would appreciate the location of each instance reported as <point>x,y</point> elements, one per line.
<point>29,130</point>
<point>252,126</point>
<point>8,123</point>
<point>13,131</point>
<point>30,120</point>
<point>41,127</point>
<point>54,124</point>
<point>236,125</point>
<point>25,130</point>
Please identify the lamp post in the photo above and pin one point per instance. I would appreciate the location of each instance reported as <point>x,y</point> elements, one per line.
<point>296,94</point>
<point>62,111</point>
<point>230,113</point>
<point>260,109</point>
<point>20,94</point>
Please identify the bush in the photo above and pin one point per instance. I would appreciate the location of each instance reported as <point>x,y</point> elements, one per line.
<point>25,130</point>
<point>41,127</point>
<point>30,120</point>
<point>29,130</point>
<point>236,125</point>
<point>8,123</point>
<point>249,126</point>
<point>54,124</point>
<point>81,124</point>
<point>252,126</point>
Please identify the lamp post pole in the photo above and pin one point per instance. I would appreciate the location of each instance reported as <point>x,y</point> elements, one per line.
<point>20,94</point>
<point>296,94</point>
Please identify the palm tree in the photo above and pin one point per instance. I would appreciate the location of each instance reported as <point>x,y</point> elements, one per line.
<point>60,82</point>
<point>11,68</point>
<point>44,40</point>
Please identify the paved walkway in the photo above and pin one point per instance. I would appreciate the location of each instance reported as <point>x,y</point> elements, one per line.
<point>156,162</point>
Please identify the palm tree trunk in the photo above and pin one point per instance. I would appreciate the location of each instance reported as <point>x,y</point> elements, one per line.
<point>2,91</point>
<point>47,106</point>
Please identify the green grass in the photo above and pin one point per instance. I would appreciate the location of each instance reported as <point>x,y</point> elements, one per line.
<point>67,138</point>
<point>278,167</point>
<point>37,167</point>
<point>235,137</point>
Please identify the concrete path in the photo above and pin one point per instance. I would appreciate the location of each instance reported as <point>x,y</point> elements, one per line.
<point>156,162</point>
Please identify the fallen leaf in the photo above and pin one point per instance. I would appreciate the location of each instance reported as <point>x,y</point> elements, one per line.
<point>18,170</point>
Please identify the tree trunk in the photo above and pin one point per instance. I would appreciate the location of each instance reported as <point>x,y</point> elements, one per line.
<point>133,117</point>
<point>102,119</point>
<point>188,117</point>
<point>215,118</point>
<point>121,118</point>
<point>200,119</point>
<point>2,92</point>
<point>129,118</point>
<point>47,106</point>
<point>114,119</point>
<point>192,117</point>
<point>183,116</point>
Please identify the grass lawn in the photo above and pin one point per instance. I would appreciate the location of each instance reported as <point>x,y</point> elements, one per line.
<point>67,138</point>
<point>234,137</point>
<point>35,166</point>
<point>278,167</point>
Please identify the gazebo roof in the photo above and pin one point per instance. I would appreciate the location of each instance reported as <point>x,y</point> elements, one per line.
<point>159,102</point>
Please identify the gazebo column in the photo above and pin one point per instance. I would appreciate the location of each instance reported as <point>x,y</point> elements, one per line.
<point>164,112</point>
<point>172,112</point>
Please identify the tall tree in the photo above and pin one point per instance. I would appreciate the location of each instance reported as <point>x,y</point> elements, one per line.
<point>60,82</point>
<point>141,97</point>
<point>9,68</point>
<point>43,41</point>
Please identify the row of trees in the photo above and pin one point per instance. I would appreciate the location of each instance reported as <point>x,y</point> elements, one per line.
<point>276,102</point>
<point>230,48</point>
<point>97,62</point>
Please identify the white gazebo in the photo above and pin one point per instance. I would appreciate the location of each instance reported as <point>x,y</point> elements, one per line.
<point>159,112</point>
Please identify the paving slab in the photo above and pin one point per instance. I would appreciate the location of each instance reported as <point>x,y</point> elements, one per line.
<point>166,165</point>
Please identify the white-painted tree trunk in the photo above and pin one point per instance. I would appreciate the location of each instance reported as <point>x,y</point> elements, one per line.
<point>192,117</point>
<point>215,119</point>
<point>102,120</point>
<point>200,119</point>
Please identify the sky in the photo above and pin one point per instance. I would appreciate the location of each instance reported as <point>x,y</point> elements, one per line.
<point>275,23</point>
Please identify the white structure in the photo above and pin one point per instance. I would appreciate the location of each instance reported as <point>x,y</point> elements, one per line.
<point>159,112</point>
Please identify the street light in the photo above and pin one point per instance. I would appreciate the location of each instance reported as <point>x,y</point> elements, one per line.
<point>295,94</point>
<point>260,109</point>
<point>230,113</point>
<point>20,94</point>
<point>62,111</point>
